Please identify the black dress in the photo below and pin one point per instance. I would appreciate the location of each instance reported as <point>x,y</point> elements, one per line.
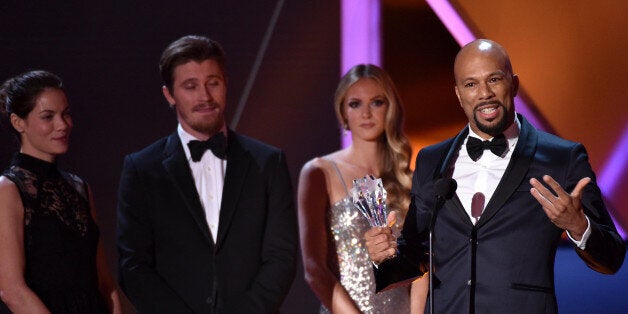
<point>60,236</point>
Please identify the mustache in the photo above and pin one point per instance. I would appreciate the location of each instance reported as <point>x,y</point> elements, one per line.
<point>490,102</point>
<point>206,105</point>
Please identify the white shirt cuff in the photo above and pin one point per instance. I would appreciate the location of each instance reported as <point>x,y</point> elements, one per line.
<point>582,244</point>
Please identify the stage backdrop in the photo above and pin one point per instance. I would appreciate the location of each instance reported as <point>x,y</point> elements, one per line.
<point>107,53</point>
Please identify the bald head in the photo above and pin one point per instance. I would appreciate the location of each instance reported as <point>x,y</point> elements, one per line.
<point>486,87</point>
<point>482,48</point>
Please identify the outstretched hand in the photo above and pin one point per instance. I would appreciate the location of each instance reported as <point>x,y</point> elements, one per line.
<point>563,209</point>
<point>380,242</point>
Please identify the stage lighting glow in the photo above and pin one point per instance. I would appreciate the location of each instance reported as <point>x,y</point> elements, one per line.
<point>360,38</point>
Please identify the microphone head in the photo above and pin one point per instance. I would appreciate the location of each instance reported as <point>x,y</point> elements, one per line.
<point>445,188</point>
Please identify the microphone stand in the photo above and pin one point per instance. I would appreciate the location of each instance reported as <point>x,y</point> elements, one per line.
<point>444,190</point>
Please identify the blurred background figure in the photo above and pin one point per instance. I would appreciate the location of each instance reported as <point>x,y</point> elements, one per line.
<point>336,263</point>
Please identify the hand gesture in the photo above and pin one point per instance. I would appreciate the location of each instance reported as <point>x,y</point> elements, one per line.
<point>563,209</point>
<point>380,242</point>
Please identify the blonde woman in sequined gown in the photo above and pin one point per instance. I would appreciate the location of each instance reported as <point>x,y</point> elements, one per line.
<point>337,265</point>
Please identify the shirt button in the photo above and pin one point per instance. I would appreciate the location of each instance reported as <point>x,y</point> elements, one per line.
<point>469,282</point>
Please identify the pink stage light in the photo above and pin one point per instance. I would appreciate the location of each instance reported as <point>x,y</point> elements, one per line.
<point>614,168</point>
<point>360,38</point>
<point>463,35</point>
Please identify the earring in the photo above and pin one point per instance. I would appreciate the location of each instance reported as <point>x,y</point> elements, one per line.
<point>345,128</point>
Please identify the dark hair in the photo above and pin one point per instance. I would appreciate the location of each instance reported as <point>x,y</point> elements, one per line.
<point>19,94</point>
<point>189,48</point>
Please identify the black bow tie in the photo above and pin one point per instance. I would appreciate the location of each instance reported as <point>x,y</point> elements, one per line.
<point>476,147</point>
<point>217,144</point>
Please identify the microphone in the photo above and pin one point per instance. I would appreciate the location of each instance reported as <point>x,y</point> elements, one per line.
<point>444,188</point>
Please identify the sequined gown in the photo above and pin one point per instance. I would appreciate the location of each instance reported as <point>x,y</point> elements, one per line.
<point>60,237</point>
<point>354,265</point>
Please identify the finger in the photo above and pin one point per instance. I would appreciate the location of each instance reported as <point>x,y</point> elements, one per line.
<point>380,247</point>
<point>380,243</point>
<point>551,211</point>
<point>542,190</point>
<point>378,257</point>
<point>558,190</point>
<point>391,219</point>
<point>544,202</point>
<point>385,237</point>
<point>382,252</point>
<point>375,231</point>
<point>392,254</point>
<point>577,191</point>
<point>563,202</point>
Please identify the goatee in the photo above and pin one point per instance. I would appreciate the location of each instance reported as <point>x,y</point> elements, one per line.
<point>498,128</point>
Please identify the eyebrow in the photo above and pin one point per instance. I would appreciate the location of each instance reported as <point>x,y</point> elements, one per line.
<point>191,79</point>
<point>498,72</point>
<point>374,97</point>
<point>67,108</point>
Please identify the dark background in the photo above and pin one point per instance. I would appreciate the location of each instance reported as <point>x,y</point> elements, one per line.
<point>107,53</point>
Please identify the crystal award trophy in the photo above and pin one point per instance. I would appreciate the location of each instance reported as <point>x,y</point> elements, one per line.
<point>369,197</point>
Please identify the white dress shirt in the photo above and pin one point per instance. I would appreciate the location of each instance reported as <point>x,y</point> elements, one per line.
<point>482,176</point>
<point>477,180</point>
<point>209,178</point>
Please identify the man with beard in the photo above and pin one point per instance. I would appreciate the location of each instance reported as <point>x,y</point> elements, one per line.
<point>206,220</point>
<point>518,190</point>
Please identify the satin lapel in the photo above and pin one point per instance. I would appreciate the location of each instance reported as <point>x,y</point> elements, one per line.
<point>445,171</point>
<point>177,167</point>
<point>520,161</point>
<point>238,161</point>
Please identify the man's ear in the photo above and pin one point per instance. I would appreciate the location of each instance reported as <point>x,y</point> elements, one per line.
<point>515,84</point>
<point>458,95</point>
<point>17,123</point>
<point>168,96</point>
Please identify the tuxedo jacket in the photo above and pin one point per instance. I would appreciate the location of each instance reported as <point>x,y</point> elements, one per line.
<point>504,263</point>
<point>168,260</point>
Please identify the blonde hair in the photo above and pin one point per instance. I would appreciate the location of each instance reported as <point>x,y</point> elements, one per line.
<point>395,149</point>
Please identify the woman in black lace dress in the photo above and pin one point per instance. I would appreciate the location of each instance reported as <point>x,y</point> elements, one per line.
<point>51,259</point>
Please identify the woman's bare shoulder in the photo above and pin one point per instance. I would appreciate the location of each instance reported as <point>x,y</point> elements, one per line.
<point>322,163</point>
<point>9,196</point>
<point>7,187</point>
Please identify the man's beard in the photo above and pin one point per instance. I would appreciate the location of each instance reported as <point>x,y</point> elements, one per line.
<point>495,129</point>
<point>203,126</point>
<point>209,128</point>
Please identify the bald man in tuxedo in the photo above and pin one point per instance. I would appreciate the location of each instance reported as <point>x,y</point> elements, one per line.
<point>519,190</point>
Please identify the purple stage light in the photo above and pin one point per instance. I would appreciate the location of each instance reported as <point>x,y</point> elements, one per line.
<point>361,34</point>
